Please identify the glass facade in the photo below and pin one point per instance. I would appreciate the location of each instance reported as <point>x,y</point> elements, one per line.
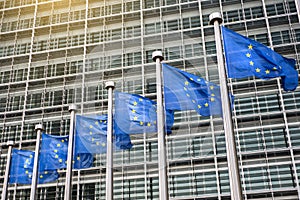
<point>57,52</point>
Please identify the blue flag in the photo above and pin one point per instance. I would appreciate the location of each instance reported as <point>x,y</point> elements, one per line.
<point>136,114</point>
<point>91,135</point>
<point>54,152</point>
<point>82,160</point>
<point>21,169</point>
<point>185,91</point>
<point>246,57</point>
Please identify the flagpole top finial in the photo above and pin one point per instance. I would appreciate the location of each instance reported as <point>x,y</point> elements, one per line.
<point>38,127</point>
<point>215,16</point>
<point>157,54</point>
<point>10,143</point>
<point>109,84</point>
<point>72,107</point>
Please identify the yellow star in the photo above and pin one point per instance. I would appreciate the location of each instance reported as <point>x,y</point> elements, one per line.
<point>26,172</point>
<point>185,88</point>
<point>58,145</point>
<point>60,160</point>
<point>135,103</point>
<point>198,79</point>
<point>212,99</point>
<point>141,123</point>
<point>140,99</point>
<point>56,156</point>
<point>96,123</point>
<point>100,121</point>
<point>45,172</point>
<point>154,122</point>
<point>133,111</point>
<point>97,143</point>
<point>206,104</point>
<point>186,82</point>
<point>251,63</point>
<point>148,124</point>
<point>187,95</point>
<point>267,71</point>
<point>93,139</point>
<point>191,79</point>
<point>103,144</point>
<point>55,150</point>
<point>274,68</point>
<point>41,176</point>
<point>250,47</point>
<point>248,55</point>
<point>78,157</point>
<point>211,87</point>
<point>135,118</point>
<point>91,126</point>
<point>257,70</point>
<point>91,133</point>
<point>30,156</point>
<point>199,106</point>
<point>212,95</point>
<point>193,101</point>
<point>62,141</point>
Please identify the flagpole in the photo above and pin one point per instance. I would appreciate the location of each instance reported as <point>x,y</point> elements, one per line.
<point>68,187</point>
<point>233,166</point>
<point>38,129</point>
<point>109,152</point>
<point>7,169</point>
<point>162,164</point>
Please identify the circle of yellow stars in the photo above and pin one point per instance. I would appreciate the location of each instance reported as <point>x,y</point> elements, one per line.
<point>135,116</point>
<point>211,97</point>
<point>251,62</point>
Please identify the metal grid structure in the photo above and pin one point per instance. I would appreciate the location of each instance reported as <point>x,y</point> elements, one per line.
<point>57,52</point>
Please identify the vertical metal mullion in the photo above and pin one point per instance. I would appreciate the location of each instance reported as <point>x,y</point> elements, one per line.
<point>292,33</point>
<point>29,65</point>
<point>143,93</point>
<point>283,109</point>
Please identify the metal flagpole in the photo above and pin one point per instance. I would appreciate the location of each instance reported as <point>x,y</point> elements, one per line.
<point>38,129</point>
<point>68,187</point>
<point>233,166</point>
<point>109,153</point>
<point>162,164</point>
<point>6,177</point>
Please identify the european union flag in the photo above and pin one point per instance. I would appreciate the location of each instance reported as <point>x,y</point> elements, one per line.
<point>185,91</point>
<point>21,169</point>
<point>54,152</point>
<point>91,135</point>
<point>246,57</point>
<point>136,114</point>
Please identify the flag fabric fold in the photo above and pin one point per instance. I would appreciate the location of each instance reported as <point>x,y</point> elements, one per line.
<point>91,135</point>
<point>21,169</point>
<point>185,91</point>
<point>246,57</point>
<point>135,114</point>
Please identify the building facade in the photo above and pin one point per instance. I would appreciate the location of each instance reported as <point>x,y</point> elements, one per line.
<point>57,52</point>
